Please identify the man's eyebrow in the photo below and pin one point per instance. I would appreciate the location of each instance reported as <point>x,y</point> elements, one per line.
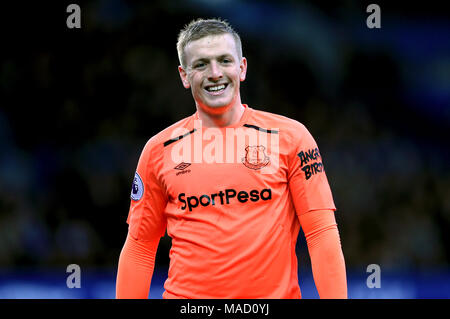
<point>226,55</point>
<point>220,57</point>
<point>200,60</point>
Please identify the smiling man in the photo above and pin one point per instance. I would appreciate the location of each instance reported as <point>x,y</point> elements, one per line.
<point>233,225</point>
<point>213,67</point>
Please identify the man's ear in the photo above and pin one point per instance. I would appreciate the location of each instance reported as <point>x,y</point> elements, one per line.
<point>243,67</point>
<point>183,76</point>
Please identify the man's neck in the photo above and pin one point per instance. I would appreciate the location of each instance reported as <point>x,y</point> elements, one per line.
<point>229,117</point>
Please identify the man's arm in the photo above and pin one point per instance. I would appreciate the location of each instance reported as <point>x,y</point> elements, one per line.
<point>135,270</point>
<point>314,205</point>
<point>327,259</point>
<point>147,224</point>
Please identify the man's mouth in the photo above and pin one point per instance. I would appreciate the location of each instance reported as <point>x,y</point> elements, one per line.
<point>216,89</point>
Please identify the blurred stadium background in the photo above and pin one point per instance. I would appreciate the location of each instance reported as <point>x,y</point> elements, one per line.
<point>77,106</point>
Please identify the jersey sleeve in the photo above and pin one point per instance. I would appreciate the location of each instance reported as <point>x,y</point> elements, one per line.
<point>327,259</point>
<point>146,218</point>
<point>308,182</point>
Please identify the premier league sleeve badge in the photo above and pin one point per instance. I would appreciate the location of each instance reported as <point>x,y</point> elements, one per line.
<point>137,189</point>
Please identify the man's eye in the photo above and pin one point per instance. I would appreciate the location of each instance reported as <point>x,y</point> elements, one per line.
<point>199,65</point>
<point>226,61</point>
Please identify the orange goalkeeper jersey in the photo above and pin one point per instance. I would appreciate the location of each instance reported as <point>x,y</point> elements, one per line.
<point>229,199</point>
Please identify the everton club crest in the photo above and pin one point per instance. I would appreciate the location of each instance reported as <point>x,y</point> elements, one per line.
<point>255,157</point>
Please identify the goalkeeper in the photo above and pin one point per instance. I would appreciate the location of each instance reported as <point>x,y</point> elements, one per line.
<point>233,223</point>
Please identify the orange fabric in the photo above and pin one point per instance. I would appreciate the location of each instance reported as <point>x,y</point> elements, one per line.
<point>327,260</point>
<point>136,264</point>
<point>233,228</point>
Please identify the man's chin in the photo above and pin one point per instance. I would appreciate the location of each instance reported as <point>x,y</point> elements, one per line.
<point>215,109</point>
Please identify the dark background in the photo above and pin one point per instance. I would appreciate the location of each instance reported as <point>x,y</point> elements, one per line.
<point>78,105</point>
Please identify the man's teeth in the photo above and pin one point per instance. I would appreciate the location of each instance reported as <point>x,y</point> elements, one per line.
<point>216,88</point>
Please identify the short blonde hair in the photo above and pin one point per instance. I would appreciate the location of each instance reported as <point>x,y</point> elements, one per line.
<point>201,28</point>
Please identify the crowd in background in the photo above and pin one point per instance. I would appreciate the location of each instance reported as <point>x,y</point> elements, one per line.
<point>77,107</point>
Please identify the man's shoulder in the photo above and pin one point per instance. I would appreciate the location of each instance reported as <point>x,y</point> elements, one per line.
<point>278,122</point>
<point>171,132</point>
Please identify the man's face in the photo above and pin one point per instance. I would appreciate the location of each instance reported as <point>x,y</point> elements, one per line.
<point>213,71</point>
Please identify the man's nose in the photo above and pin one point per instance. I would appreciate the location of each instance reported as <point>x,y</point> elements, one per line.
<point>215,72</point>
